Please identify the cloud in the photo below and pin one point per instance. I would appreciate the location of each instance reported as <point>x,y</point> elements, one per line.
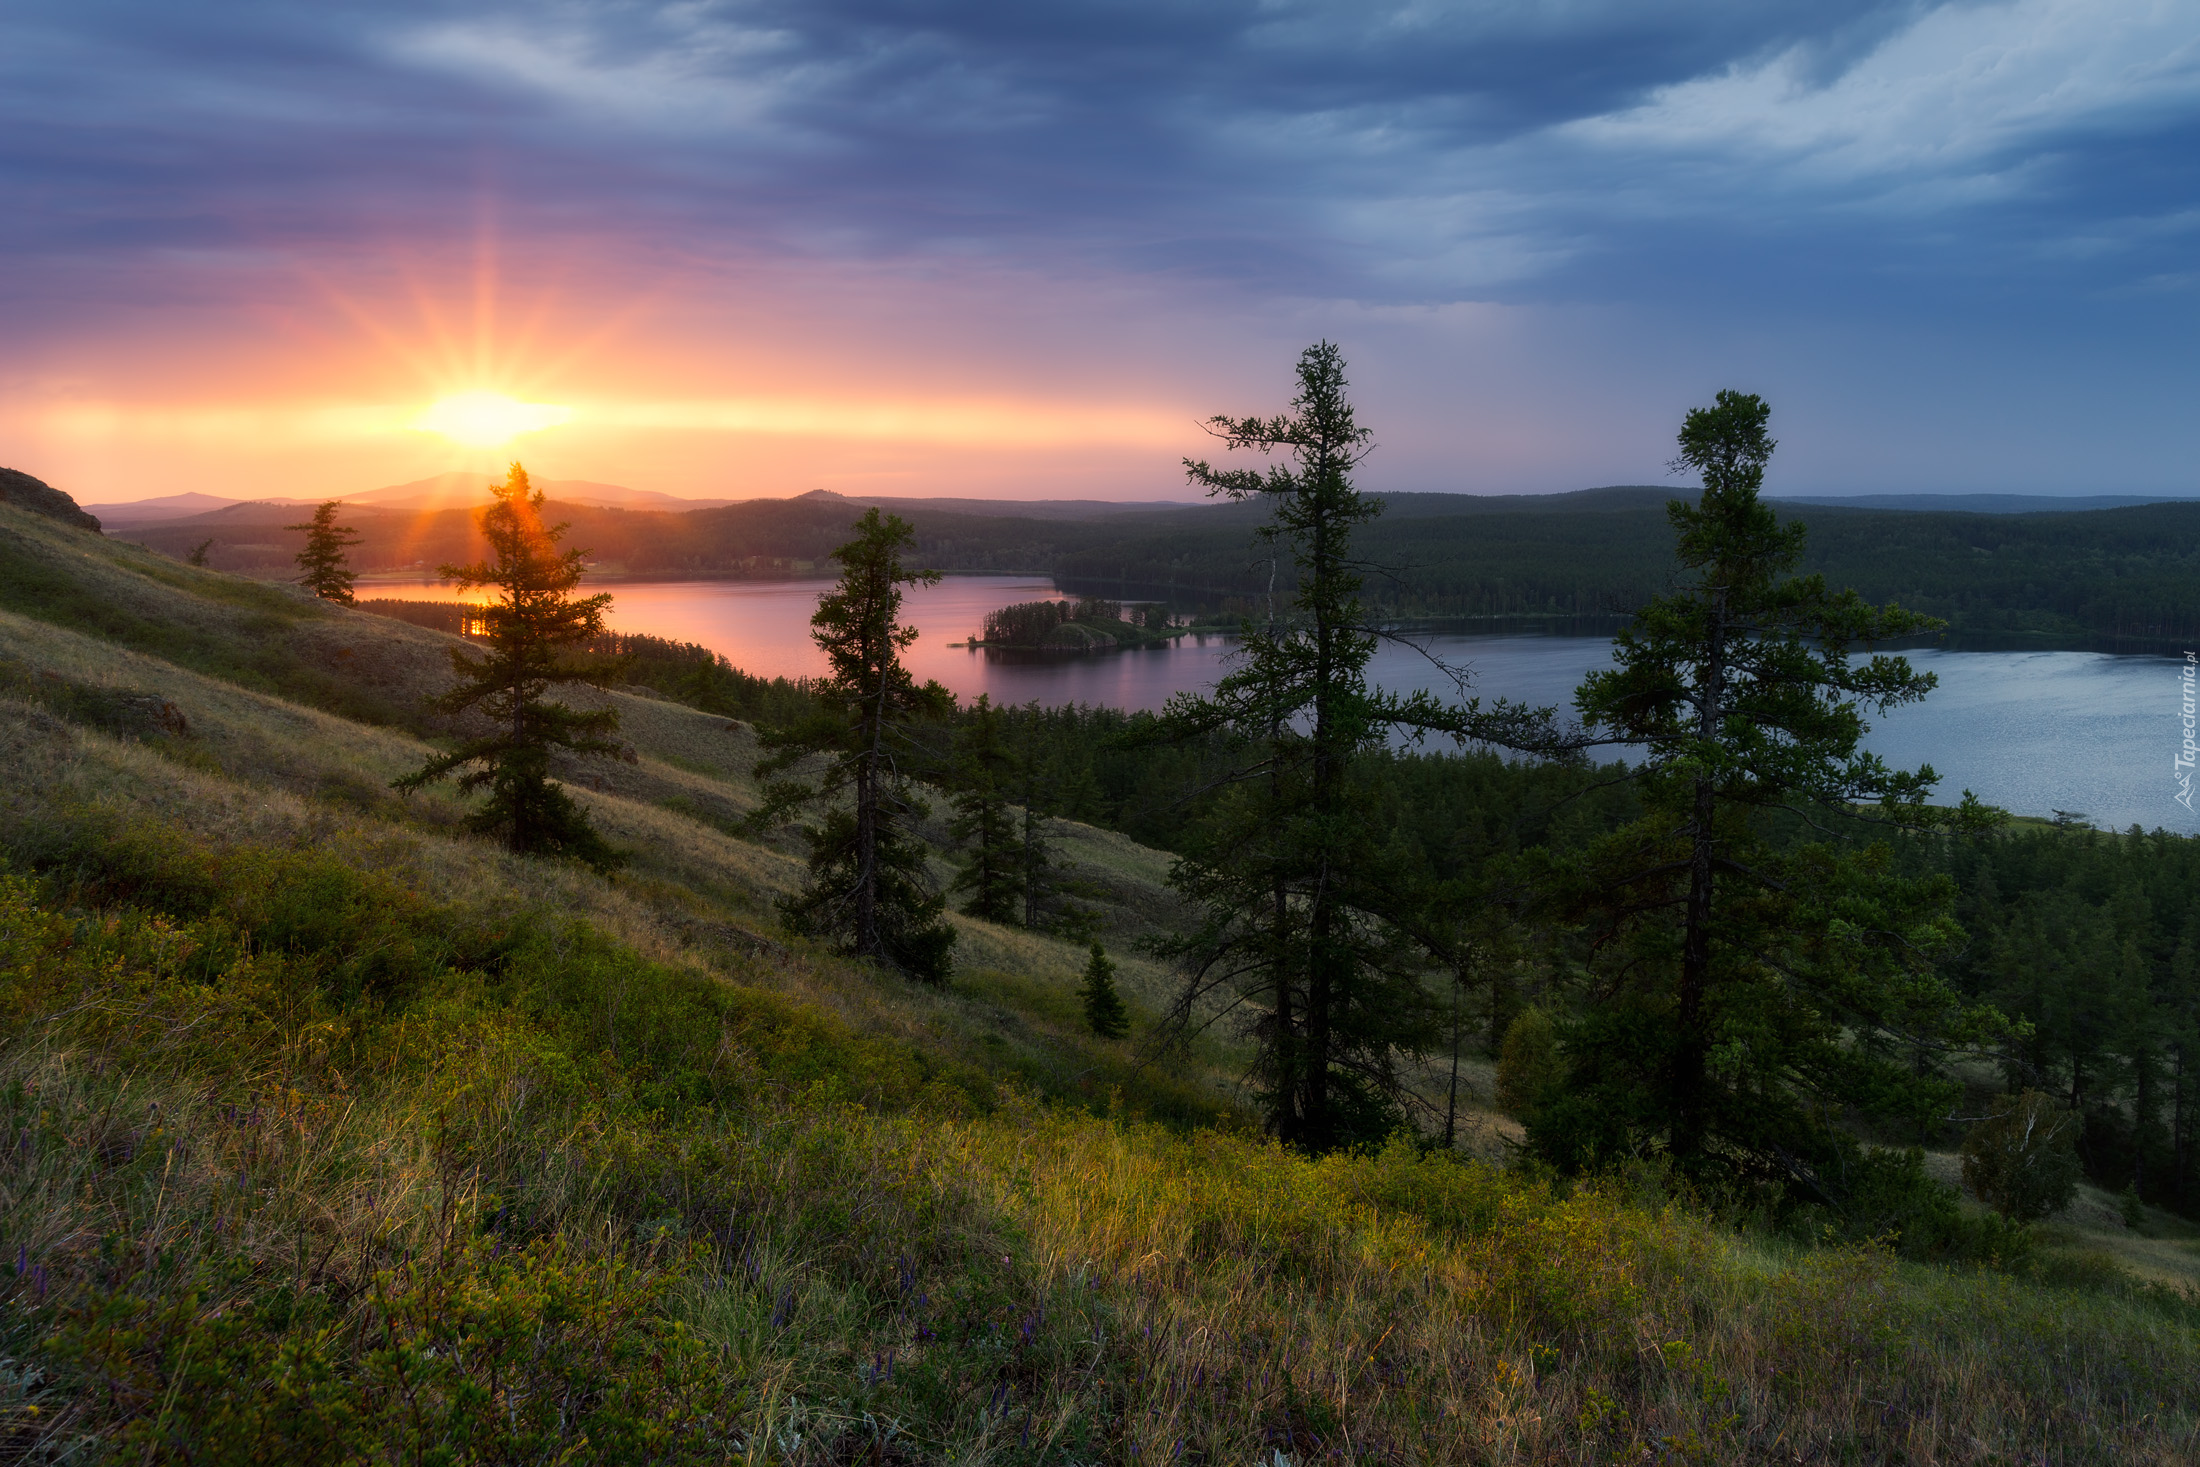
<point>1972,92</point>
<point>1889,204</point>
<point>1402,149</point>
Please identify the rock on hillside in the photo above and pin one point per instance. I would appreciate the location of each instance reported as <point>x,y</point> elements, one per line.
<point>39,497</point>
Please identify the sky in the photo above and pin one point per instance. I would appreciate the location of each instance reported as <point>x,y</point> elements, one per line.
<point>1022,248</point>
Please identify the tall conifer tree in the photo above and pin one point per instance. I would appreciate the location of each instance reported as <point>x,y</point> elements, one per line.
<point>1038,877</point>
<point>530,632</point>
<point>867,881</point>
<point>1752,981</point>
<point>1304,911</point>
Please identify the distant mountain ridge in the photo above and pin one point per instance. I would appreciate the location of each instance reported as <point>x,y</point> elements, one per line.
<point>1984,503</point>
<point>457,490</point>
<point>1027,509</point>
<point>466,490</point>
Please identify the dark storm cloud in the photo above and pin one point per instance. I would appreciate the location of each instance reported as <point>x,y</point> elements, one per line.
<point>1407,151</point>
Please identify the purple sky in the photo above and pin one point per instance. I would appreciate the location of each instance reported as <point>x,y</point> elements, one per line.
<point>1019,249</point>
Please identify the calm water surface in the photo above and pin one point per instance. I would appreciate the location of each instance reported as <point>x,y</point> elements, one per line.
<point>2033,732</point>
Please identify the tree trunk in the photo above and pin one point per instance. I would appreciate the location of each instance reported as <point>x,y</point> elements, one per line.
<point>1287,1107</point>
<point>868,943</point>
<point>1321,995</point>
<point>1030,862</point>
<point>1322,987</point>
<point>522,837</point>
<point>2142,1116</point>
<point>1689,1044</point>
<point>1451,1091</point>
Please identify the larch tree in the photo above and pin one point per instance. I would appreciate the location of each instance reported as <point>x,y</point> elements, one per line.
<point>1758,968</point>
<point>323,566</point>
<point>529,633</point>
<point>867,885</point>
<point>1304,931</point>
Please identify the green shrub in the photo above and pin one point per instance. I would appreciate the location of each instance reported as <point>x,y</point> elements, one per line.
<point>1884,1195</point>
<point>474,1354</point>
<point>1528,1064</point>
<point>2022,1160</point>
<point>360,943</point>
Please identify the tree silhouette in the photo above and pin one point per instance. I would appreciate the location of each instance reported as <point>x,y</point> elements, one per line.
<point>1753,980</point>
<point>1305,924</point>
<point>325,569</point>
<point>867,881</point>
<point>528,632</point>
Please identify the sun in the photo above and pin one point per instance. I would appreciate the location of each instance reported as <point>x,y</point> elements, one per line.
<point>486,419</point>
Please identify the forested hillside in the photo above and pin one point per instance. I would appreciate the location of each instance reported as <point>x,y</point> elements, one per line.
<point>2126,574</point>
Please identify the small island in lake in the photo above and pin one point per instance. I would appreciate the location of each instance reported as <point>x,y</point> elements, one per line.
<point>1088,624</point>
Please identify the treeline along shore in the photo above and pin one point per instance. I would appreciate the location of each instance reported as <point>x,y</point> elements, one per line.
<point>2124,575</point>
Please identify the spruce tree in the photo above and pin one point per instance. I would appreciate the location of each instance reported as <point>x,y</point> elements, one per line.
<point>1104,1011</point>
<point>984,767</point>
<point>867,884</point>
<point>326,571</point>
<point>1758,968</point>
<point>530,631</point>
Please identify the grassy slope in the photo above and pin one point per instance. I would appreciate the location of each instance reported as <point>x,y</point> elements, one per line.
<point>671,807</point>
<point>332,1124</point>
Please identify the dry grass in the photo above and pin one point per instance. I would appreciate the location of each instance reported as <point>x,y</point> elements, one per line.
<point>695,898</point>
<point>695,890</point>
<point>1405,1309</point>
<point>1031,1285</point>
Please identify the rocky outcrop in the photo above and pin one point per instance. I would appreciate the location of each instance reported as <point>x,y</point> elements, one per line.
<point>39,497</point>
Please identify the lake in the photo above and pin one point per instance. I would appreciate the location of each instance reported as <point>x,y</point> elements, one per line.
<point>2034,732</point>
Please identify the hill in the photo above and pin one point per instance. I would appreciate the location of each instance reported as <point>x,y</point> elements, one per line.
<point>36,496</point>
<point>464,491</point>
<point>2127,574</point>
<point>1987,503</point>
<point>338,1135</point>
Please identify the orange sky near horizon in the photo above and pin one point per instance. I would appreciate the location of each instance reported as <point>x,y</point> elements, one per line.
<point>769,385</point>
<point>1025,252</point>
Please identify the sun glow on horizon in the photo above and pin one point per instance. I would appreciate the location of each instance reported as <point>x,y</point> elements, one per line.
<point>488,419</point>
